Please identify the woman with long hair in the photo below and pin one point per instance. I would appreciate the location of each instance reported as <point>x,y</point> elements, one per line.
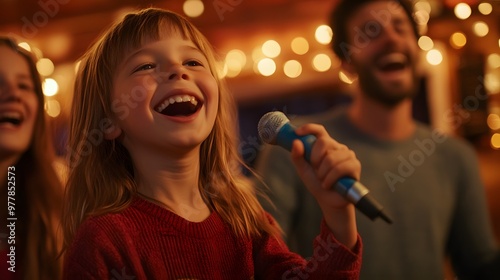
<point>31,191</point>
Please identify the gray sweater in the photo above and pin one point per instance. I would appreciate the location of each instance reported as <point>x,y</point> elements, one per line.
<point>429,184</point>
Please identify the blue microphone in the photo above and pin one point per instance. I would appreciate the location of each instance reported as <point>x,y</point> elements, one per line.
<point>274,128</point>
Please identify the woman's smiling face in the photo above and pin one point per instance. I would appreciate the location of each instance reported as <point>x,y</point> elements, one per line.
<point>18,103</point>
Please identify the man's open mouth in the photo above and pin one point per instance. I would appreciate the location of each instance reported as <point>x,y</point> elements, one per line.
<point>392,62</point>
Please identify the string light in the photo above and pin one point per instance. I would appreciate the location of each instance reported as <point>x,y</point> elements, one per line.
<point>434,57</point>
<point>266,67</point>
<point>300,45</point>
<point>485,8</point>
<point>292,68</point>
<point>193,8</point>
<point>425,43</point>
<point>53,108</point>
<point>50,87</point>
<point>462,11</point>
<point>323,34</point>
<point>480,28</point>
<point>495,141</point>
<point>45,67</point>
<point>321,62</point>
<point>271,49</point>
<point>458,40</point>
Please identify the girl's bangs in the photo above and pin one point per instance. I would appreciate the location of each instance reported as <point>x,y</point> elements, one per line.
<point>138,30</point>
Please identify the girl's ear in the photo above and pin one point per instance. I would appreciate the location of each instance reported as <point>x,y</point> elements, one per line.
<point>111,130</point>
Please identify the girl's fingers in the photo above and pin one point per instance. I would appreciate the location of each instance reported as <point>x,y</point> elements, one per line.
<point>343,169</point>
<point>331,162</point>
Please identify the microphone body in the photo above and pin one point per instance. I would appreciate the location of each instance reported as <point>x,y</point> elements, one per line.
<point>275,128</point>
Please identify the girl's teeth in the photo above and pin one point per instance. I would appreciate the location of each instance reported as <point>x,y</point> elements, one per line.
<point>173,99</point>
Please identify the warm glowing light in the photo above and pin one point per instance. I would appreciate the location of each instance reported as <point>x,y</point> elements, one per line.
<point>50,87</point>
<point>300,45</point>
<point>485,8</point>
<point>434,57</point>
<point>323,34</point>
<point>53,108</point>
<point>492,83</point>
<point>257,54</point>
<point>25,46</point>
<point>480,28</point>
<point>493,60</point>
<point>344,78</point>
<point>193,8</point>
<point>321,62</point>
<point>421,17</point>
<point>422,29</point>
<point>495,141</point>
<point>458,40</point>
<point>45,67</point>
<point>493,121</point>
<point>266,67</point>
<point>423,6</point>
<point>235,61</point>
<point>292,68</point>
<point>222,71</point>
<point>425,43</point>
<point>231,69</point>
<point>37,52</point>
<point>271,48</point>
<point>462,11</point>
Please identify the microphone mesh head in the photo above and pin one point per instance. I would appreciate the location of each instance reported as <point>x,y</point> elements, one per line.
<point>269,125</point>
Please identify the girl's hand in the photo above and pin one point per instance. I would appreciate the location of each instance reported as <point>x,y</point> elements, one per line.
<point>329,162</point>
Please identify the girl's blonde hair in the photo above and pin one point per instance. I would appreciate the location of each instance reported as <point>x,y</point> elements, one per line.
<point>101,178</point>
<point>38,190</point>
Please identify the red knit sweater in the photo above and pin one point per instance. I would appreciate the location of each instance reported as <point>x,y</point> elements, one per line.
<point>146,241</point>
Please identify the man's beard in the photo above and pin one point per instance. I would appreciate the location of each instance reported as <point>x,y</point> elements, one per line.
<point>387,95</point>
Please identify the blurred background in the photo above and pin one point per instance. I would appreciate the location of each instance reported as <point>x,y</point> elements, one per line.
<point>276,56</point>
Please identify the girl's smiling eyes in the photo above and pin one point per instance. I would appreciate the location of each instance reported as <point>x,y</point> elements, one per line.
<point>143,67</point>
<point>193,62</point>
<point>150,66</point>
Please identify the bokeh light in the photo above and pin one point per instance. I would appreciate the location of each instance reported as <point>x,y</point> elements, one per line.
<point>193,8</point>
<point>323,34</point>
<point>300,45</point>
<point>266,67</point>
<point>271,49</point>
<point>462,11</point>
<point>292,68</point>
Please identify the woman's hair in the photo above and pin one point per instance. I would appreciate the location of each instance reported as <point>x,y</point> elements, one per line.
<point>101,178</point>
<point>344,10</point>
<point>38,191</point>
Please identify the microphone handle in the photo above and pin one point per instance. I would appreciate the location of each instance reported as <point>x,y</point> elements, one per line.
<point>349,188</point>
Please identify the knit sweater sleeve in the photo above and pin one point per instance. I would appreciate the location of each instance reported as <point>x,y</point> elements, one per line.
<point>92,254</point>
<point>331,259</point>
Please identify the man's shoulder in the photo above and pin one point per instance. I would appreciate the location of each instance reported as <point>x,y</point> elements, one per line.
<point>452,146</point>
